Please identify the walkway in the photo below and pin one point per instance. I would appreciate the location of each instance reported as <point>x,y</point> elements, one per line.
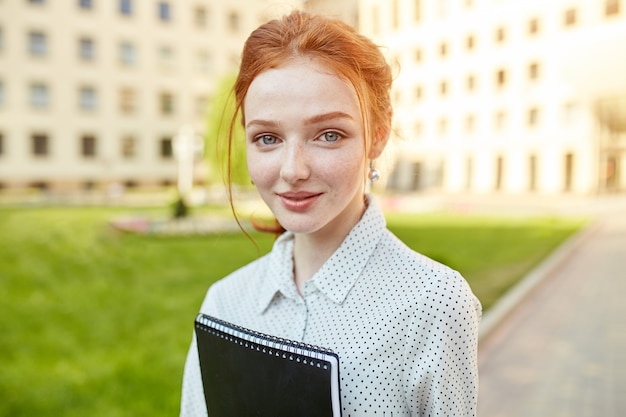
<point>562,351</point>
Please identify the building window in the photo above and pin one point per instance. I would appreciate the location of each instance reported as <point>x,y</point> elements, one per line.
<point>166,149</point>
<point>165,11</point>
<point>88,98</point>
<point>569,172</point>
<point>128,56</point>
<point>533,26</point>
<point>570,17</point>
<point>130,184</point>
<point>1,39</point>
<point>1,144</point>
<point>89,185</point>
<point>395,15</point>
<point>375,22</point>
<point>533,71</point>
<point>500,35</point>
<point>36,1</point>
<point>128,147</point>
<point>200,17</point>
<point>86,49</point>
<point>204,62</point>
<point>40,144</point>
<point>127,101</point>
<point>417,55</point>
<point>532,173</point>
<point>443,8</point>
<point>611,7</point>
<point>443,126</point>
<point>85,4</point>
<point>470,83</point>
<point>470,123</point>
<point>417,10</point>
<point>166,101</point>
<point>166,57</point>
<point>500,78</point>
<point>201,106</point>
<point>126,7</point>
<point>233,21</point>
<point>469,170</point>
<point>41,186</point>
<point>533,117</point>
<point>39,96</point>
<point>88,146</point>
<point>419,92</point>
<point>443,88</point>
<point>470,42</point>
<point>37,43</point>
<point>499,173</point>
<point>443,49</point>
<point>570,112</point>
<point>418,129</point>
<point>500,121</point>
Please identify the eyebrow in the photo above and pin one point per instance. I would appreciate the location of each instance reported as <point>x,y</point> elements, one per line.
<point>327,116</point>
<point>310,121</point>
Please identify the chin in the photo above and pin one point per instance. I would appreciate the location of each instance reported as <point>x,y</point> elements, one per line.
<point>299,226</point>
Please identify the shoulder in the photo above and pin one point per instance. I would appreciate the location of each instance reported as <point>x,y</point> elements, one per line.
<point>240,286</point>
<point>423,280</point>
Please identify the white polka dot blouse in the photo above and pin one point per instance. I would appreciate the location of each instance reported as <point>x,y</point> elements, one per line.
<point>404,326</point>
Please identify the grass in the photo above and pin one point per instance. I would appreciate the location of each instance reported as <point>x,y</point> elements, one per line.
<point>98,323</point>
<point>491,253</point>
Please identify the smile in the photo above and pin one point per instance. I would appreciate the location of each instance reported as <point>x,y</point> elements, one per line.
<point>298,201</point>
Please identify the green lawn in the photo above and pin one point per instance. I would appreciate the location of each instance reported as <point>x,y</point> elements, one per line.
<point>97,323</point>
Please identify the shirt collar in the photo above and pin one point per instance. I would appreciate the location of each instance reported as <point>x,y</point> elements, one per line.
<point>278,273</point>
<point>350,259</point>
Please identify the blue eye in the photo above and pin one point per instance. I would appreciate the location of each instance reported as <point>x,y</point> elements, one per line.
<point>331,136</point>
<point>268,139</point>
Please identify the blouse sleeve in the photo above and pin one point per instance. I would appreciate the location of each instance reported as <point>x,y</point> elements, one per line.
<point>441,370</point>
<point>192,401</point>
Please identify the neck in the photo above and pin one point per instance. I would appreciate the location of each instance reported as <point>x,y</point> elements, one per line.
<point>312,250</point>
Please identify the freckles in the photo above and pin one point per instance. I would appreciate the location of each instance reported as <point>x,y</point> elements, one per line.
<point>262,170</point>
<point>259,173</point>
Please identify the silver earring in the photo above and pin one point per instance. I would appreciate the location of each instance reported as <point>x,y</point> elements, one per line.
<point>373,174</point>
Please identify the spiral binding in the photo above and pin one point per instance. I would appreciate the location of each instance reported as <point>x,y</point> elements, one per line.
<point>273,345</point>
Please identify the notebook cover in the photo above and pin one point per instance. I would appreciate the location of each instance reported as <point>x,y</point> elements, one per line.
<point>247,373</point>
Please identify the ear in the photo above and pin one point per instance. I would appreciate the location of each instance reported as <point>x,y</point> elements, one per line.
<point>381,137</point>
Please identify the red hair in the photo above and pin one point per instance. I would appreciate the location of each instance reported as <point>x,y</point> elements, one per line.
<point>334,44</point>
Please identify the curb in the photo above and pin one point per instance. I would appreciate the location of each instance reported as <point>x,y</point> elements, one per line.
<point>520,291</point>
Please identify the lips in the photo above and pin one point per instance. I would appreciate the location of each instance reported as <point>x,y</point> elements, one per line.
<point>298,201</point>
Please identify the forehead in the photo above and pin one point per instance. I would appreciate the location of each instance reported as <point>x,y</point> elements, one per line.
<point>302,85</point>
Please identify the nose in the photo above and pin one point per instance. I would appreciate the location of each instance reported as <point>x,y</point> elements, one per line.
<point>295,164</point>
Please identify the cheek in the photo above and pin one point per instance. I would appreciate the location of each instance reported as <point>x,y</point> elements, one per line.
<point>260,168</point>
<point>346,172</point>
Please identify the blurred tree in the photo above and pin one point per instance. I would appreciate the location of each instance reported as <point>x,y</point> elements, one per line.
<point>219,116</point>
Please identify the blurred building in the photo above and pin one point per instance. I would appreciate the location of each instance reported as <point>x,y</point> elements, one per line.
<point>94,92</point>
<point>346,10</point>
<point>505,96</point>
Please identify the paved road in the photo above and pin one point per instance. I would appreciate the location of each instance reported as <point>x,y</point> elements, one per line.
<point>562,351</point>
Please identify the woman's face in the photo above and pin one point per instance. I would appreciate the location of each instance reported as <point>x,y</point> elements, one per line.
<point>305,147</point>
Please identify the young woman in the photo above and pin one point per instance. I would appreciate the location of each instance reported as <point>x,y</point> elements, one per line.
<point>314,96</point>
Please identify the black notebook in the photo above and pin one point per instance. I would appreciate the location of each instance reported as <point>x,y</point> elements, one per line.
<point>247,373</point>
